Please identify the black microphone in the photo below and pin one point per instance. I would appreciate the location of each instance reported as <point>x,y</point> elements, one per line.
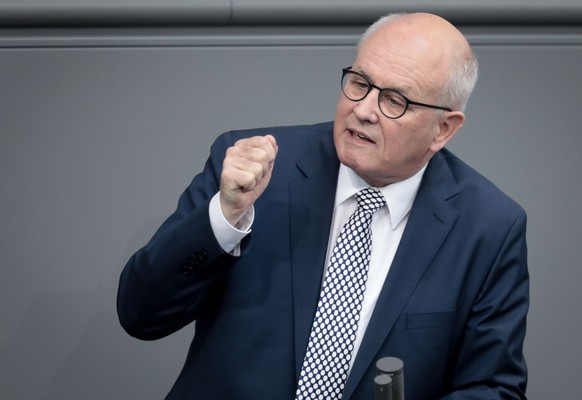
<point>394,368</point>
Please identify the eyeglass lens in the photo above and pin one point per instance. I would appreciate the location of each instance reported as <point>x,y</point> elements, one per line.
<point>356,87</point>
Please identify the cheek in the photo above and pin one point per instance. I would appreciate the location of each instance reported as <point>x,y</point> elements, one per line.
<point>408,146</point>
<point>344,107</point>
<point>393,138</point>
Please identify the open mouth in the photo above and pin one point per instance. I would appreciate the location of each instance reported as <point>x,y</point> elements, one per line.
<point>361,136</point>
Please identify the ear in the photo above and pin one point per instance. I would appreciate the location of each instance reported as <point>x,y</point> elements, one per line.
<point>450,124</point>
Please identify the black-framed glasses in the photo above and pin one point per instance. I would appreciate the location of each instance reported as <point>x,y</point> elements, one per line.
<point>392,103</point>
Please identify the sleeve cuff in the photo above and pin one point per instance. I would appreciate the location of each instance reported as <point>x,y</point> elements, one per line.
<point>229,236</point>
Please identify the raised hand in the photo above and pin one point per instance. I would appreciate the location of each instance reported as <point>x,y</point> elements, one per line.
<point>246,172</point>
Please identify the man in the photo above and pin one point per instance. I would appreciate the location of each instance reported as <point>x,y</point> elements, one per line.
<point>248,250</point>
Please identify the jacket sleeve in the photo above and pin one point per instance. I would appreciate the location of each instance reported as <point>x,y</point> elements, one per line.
<point>490,363</point>
<point>164,285</point>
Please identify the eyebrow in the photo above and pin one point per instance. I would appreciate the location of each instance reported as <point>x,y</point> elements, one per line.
<point>404,90</point>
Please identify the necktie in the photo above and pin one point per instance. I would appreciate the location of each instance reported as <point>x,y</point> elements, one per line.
<point>329,350</point>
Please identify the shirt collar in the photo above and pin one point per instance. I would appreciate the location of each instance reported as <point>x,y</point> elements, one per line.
<point>399,196</point>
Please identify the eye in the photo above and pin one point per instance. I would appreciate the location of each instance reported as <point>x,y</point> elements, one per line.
<point>392,99</point>
<point>359,83</point>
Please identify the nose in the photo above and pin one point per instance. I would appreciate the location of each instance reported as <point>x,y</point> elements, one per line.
<point>367,108</point>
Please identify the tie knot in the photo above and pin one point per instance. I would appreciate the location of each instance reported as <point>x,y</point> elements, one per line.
<point>370,200</point>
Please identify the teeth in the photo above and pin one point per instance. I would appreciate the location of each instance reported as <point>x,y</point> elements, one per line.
<point>360,136</point>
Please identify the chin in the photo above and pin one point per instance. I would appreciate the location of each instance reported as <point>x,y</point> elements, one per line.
<point>354,164</point>
<point>353,157</point>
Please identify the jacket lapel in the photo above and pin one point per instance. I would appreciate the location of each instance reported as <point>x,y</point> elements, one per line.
<point>312,199</point>
<point>429,223</point>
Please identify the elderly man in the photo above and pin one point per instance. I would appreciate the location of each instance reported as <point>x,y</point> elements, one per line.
<point>306,253</point>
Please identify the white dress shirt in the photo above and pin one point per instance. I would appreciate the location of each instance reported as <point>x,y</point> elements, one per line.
<point>388,225</point>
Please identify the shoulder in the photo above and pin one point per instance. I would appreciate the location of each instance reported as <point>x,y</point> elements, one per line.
<point>293,140</point>
<point>476,192</point>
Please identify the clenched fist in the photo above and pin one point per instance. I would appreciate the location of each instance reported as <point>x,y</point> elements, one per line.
<point>246,172</point>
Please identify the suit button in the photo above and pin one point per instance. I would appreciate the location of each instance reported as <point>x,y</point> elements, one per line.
<point>186,269</point>
<point>198,258</point>
<point>195,261</point>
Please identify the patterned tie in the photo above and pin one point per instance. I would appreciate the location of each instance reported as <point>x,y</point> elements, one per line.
<point>331,342</point>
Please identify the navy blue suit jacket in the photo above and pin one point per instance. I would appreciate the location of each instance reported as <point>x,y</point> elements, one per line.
<point>453,306</point>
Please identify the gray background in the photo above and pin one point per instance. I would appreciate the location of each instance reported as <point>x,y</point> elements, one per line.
<point>107,110</point>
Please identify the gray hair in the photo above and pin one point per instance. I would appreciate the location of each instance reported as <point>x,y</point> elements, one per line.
<point>457,89</point>
<point>461,82</point>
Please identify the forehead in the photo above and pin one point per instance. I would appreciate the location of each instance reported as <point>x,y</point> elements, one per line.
<point>397,57</point>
